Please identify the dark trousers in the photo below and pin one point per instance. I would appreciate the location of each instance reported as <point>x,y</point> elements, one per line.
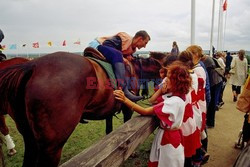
<point>211,107</point>
<point>222,91</point>
<point>246,129</point>
<point>218,92</point>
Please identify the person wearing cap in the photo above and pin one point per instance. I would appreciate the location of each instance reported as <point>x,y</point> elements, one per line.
<point>2,56</point>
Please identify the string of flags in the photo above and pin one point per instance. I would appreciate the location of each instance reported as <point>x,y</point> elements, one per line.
<point>37,45</point>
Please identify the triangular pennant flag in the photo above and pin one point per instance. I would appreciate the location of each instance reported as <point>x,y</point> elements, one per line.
<point>225,5</point>
<point>13,46</point>
<point>2,47</point>
<point>64,43</point>
<point>78,42</point>
<point>50,43</point>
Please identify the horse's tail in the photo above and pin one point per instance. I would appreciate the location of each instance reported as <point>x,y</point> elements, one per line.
<point>12,86</point>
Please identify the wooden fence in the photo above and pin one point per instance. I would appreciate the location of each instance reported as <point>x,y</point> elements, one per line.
<point>116,147</point>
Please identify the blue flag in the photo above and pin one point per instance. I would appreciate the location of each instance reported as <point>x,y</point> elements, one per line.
<point>13,46</point>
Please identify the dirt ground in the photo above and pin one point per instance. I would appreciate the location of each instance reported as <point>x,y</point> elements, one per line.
<point>228,122</point>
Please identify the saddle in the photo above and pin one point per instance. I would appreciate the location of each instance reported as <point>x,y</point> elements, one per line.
<point>92,52</point>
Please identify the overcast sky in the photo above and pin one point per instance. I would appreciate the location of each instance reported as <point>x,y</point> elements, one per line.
<point>29,21</point>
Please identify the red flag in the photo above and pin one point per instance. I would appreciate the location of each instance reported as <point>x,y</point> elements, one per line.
<point>64,43</point>
<point>225,5</point>
<point>78,42</point>
<point>2,47</point>
<point>35,45</point>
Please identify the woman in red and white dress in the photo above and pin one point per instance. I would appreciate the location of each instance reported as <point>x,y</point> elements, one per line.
<point>167,148</point>
<point>199,99</point>
<point>190,130</point>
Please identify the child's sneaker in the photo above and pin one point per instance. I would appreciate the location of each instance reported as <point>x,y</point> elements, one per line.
<point>205,158</point>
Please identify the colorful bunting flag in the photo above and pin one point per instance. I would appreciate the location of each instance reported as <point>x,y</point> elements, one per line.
<point>2,47</point>
<point>64,43</point>
<point>225,5</point>
<point>13,46</point>
<point>78,42</point>
<point>35,45</point>
<point>50,43</point>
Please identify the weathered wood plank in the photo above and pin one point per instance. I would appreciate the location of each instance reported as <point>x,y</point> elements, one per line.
<point>116,147</point>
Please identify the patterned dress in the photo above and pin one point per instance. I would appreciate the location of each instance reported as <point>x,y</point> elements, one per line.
<point>167,148</point>
<point>199,98</point>
<point>190,130</point>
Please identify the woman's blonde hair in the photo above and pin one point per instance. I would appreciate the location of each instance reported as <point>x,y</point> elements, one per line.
<point>195,49</point>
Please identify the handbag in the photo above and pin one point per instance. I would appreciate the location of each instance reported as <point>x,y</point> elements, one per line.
<point>220,71</point>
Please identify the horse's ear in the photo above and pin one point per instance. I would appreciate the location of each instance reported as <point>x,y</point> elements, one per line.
<point>159,56</point>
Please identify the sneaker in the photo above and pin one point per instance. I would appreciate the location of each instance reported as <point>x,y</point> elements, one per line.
<point>205,158</point>
<point>221,104</point>
<point>12,152</point>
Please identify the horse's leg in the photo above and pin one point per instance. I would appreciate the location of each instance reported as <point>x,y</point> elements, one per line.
<point>5,131</point>
<point>30,151</point>
<point>109,124</point>
<point>144,89</point>
<point>3,127</point>
<point>127,113</point>
<point>49,157</point>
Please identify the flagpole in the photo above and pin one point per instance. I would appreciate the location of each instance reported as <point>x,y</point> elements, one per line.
<point>27,54</point>
<point>220,27</point>
<point>17,51</point>
<point>212,30</point>
<point>192,22</point>
<point>225,24</point>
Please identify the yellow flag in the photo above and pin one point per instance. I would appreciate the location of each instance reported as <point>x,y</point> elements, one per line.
<point>50,43</point>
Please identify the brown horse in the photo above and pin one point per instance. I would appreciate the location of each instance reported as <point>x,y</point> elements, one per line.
<point>3,127</point>
<point>47,96</point>
<point>4,64</point>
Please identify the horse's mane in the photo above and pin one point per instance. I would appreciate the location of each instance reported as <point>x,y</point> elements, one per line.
<point>159,55</point>
<point>12,82</point>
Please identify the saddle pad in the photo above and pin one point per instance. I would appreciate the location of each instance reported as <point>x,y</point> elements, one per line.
<point>108,69</point>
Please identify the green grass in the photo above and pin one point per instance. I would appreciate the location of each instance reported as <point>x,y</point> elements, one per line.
<point>84,136</point>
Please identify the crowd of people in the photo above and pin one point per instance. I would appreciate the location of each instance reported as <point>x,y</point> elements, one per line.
<point>186,103</point>
<point>187,99</point>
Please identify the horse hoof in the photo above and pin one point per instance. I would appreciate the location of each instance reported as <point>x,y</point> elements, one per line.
<point>12,152</point>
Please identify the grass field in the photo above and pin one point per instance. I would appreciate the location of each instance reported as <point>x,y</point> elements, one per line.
<point>83,136</point>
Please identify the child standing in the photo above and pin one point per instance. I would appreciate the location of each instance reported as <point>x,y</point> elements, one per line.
<point>191,133</point>
<point>167,148</point>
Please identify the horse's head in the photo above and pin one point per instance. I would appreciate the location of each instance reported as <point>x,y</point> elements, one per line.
<point>147,67</point>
